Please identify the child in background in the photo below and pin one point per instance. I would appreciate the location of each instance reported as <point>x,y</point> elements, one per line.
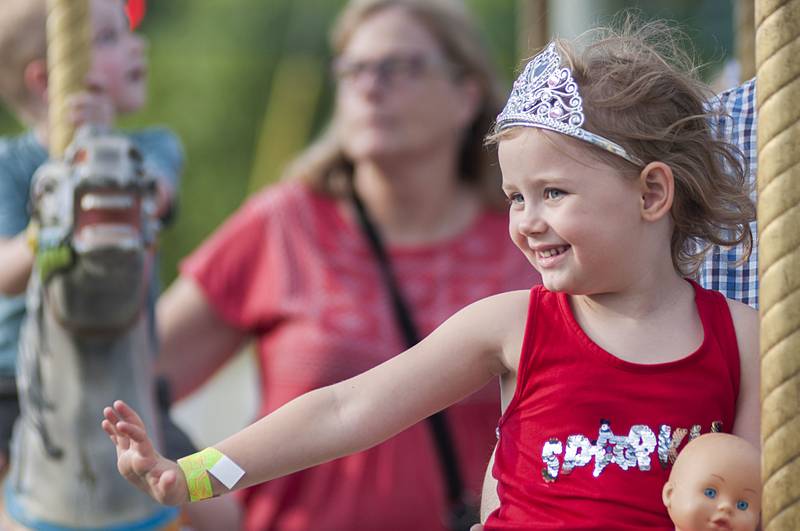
<point>612,175</point>
<point>116,84</point>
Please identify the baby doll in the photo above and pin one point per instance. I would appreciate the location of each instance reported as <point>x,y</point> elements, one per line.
<point>715,484</point>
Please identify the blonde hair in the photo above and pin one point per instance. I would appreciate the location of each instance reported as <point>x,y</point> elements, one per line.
<point>324,163</point>
<point>640,89</point>
<point>23,39</point>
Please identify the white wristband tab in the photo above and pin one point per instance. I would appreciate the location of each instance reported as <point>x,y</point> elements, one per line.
<point>227,472</point>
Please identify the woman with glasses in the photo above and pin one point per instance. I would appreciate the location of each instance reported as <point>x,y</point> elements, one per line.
<point>385,226</point>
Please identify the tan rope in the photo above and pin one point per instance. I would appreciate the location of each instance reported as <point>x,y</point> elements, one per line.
<point>777,50</point>
<point>745,38</point>
<point>68,40</point>
<point>533,32</point>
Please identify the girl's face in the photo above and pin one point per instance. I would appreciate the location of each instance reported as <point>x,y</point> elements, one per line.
<point>118,68</point>
<point>397,95</point>
<point>575,219</point>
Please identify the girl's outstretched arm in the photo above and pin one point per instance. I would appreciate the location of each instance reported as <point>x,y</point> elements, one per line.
<point>458,358</point>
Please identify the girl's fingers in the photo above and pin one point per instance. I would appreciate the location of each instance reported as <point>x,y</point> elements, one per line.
<point>136,434</point>
<point>109,429</point>
<point>127,413</point>
<point>120,441</point>
<point>166,481</point>
<point>110,415</point>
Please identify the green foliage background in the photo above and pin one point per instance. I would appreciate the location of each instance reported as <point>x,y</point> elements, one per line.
<point>244,83</point>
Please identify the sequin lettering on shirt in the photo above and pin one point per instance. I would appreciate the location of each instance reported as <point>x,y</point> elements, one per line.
<point>664,441</point>
<point>633,451</point>
<point>606,450</point>
<point>578,453</point>
<point>643,441</point>
<point>551,449</point>
<point>677,438</point>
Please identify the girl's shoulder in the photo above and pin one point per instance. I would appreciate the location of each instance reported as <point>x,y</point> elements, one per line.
<point>508,302</point>
<point>501,320</point>
<point>742,312</point>
<point>746,323</point>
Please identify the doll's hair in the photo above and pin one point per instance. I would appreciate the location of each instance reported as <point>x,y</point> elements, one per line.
<point>640,89</point>
<point>23,39</point>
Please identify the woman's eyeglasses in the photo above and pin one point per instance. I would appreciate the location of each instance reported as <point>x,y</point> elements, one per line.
<point>390,70</point>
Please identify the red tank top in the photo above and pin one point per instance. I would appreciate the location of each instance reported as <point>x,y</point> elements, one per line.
<point>588,439</point>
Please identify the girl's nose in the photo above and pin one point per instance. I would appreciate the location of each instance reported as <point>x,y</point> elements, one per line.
<point>531,223</point>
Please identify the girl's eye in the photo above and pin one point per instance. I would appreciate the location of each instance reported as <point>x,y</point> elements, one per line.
<point>106,36</point>
<point>553,193</point>
<point>710,492</point>
<point>515,199</point>
<point>742,505</point>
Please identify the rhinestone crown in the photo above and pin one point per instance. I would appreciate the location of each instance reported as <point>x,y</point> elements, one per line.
<point>546,96</point>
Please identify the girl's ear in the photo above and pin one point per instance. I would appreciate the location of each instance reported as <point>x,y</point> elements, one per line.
<point>657,186</point>
<point>35,76</point>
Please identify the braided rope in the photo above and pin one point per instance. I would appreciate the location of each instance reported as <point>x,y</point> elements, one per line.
<point>745,38</point>
<point>777,49</point>
<point>68,40</point>
<point>533,32</point>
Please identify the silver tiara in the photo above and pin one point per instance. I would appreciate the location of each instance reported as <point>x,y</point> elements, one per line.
<point>546,96</point>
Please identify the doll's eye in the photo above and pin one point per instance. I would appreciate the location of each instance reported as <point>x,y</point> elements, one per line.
<point>742,505</point>
<point>710,492</point>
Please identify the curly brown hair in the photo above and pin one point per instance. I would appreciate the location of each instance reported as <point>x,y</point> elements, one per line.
<point>640,89</point>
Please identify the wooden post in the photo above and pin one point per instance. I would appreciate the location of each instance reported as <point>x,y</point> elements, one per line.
<point>68,41</point>
<point>533,31</point>
<point>778,91</point>
<point>746,38</point>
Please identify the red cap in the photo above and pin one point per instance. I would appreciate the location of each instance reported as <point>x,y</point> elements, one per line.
<point>135,10</point>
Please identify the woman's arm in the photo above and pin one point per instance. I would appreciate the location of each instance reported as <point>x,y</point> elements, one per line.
<point>458,358</point>
<point>748,405</point>
<point>194,340</point>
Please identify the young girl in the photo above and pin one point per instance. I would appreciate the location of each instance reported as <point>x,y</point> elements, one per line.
<point>613,179</point>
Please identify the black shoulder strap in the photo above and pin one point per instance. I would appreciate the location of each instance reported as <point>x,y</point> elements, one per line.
<point>438,421</point>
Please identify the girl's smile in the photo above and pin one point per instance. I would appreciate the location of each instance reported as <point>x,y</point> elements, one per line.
<point>576,219</point>
<point>549,256</point>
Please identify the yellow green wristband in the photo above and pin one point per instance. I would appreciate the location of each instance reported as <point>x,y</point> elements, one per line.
<point>195,468</point>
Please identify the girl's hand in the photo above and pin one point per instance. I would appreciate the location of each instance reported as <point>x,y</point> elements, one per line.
<point>91,106</point>
<point>138,461</point>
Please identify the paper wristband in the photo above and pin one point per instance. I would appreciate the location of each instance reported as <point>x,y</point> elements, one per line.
<point>196,468</point>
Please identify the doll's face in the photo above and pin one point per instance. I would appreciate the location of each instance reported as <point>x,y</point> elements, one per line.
<point>717,486</point>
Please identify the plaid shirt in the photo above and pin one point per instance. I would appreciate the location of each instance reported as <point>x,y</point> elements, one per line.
<point>737,123</point>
